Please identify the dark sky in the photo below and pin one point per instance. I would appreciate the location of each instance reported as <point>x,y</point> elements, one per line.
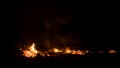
<point>78,25</point>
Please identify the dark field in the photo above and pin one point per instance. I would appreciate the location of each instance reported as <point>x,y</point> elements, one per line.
<point>96,60</point>
<point>59,24</point>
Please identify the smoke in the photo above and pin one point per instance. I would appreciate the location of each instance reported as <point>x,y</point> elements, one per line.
<point>42,24</point>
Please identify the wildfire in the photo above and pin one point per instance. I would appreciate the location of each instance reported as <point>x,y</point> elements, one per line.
<point>56,50</point>
<point>30,51</point>
<point>80,52</point>
<point>67,51</point>
<point>112,51</point>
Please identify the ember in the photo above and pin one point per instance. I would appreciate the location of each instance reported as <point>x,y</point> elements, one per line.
<point>32,52</point>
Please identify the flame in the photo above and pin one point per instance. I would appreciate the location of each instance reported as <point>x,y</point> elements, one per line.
<point>67,51</point>
<point>30,52</point>
<point>112,51</point>
<point>87,51</point>
<point>73,52</point>
<point>56,50</point>
<point>80,52</point>
<point>42,53</point>
<point>77,52</point>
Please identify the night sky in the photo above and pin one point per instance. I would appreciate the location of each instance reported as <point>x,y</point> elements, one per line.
<point>61,24</point>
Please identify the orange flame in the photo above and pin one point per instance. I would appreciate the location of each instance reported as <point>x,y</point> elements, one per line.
<point>112,51</point>
<point>56,50</point>
<point>73,52</point>
<point>67,51</point>
<point>81,52</point>
<point>30,52</point>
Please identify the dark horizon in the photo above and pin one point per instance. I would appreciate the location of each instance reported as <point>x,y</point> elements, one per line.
<point>81,26</point>
<point>78,25</point>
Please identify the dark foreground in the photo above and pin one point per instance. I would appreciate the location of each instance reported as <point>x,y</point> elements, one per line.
<point>96,60</point>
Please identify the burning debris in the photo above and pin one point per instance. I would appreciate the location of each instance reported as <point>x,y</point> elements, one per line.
<point>112,51</point>
<point>32,52</point>
<point>56,50</point>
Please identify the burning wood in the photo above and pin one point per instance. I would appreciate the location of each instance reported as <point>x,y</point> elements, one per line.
<point>32,52</point>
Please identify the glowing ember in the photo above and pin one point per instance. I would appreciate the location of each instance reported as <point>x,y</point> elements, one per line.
<point>56,50</point>
<point>80,52</point>
<point>87,51</point>
<point>67,51</point>
<point>42,53</point>
<point>73,52</point>
<point>112,51</point>
<point>30,52</point>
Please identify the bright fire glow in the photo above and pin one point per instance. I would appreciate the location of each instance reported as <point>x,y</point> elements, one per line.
<point>77,52</point>
<point>112,51</point>
<point>73,52</point>
<point>42,53</point>
<point>56,50</point>
<point>67,51</point>
<point>30,52</point>
<point>81,52</point>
